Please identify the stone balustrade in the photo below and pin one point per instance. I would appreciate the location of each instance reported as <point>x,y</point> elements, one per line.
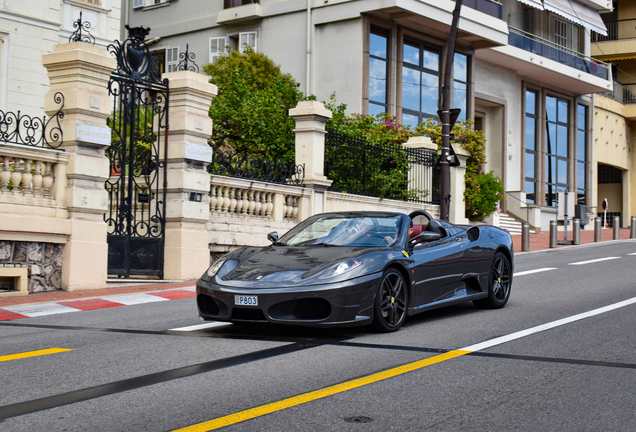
<point>246,199</point>
<point>32,176</point>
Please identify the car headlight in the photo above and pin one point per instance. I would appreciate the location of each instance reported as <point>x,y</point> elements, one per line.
<point>222,267</point>
<point>214,268</point>
<point>341,268</point>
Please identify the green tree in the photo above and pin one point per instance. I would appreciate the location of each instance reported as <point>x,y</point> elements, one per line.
<point>251,111</point>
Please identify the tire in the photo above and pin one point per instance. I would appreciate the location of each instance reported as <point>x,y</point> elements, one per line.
<point>499,284</point>
<point>390,304</point>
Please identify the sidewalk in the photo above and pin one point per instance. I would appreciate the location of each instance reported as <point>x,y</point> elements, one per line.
<point>55,302</point>
<point>542,241</point>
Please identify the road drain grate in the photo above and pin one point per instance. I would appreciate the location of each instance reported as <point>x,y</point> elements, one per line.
<point>358,419</point>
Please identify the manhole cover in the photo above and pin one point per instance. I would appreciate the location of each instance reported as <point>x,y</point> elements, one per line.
<point>358,419</point>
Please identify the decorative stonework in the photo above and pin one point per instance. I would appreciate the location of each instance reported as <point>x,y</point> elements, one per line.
<point>43,260</point>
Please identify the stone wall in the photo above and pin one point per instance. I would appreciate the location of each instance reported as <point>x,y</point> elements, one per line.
<point>43,260</point>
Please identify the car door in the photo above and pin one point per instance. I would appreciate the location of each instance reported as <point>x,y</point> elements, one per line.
<point>438,268</point>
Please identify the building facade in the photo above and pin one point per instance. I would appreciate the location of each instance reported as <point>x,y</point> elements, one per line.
<point>30,28</point>
<point>615,114</point>
<point>522,70</point>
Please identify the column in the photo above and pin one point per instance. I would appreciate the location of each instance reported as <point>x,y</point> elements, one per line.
<point>187,253</point>
<point>310,118</point>
<point>457,214</point>
<point>81,72</point>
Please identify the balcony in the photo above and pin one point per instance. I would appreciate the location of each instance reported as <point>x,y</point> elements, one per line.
<point>617,30</point>
<point>539,59</point>
<point>488,7</point>
<point>238,11</point>
<point>619,44</point>
<point>552,51</point>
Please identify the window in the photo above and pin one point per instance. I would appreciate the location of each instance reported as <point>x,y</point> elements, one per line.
<point>217,47</point>
<point>581,154</point>
<point>138,3</point>
<point>378,70</point>
<point>247,39</point>
<point>556,157</point>
<point>460,84</point>
<point>172,59</point>
<point>420,81</point>
<point>531,146</point>
<point>561,33</point>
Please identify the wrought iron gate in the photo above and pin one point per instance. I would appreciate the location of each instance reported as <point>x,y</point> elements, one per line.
<point>137,183</point>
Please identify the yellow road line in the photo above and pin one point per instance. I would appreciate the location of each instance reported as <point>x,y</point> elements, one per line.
<point>318,394</point>
<point>33,354</point>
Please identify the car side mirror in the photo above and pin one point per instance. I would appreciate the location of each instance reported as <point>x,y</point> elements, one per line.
<point>426,236</point>
<point>273,237</point>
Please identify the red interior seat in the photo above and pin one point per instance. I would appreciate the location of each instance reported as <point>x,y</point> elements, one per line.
<point>417,230</point>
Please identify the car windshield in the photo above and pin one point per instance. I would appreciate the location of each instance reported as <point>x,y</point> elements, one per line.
<point>346,230</point>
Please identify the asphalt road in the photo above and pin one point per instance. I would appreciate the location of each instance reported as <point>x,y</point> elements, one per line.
<point>125,369</point>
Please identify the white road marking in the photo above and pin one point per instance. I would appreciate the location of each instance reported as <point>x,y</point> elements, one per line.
<point>632,253</point>
<point>547,326</point>
<point>202,326</point>
<point>527,272</point>
<point>133,299</point>
<point>192,288</point>
<point>593,261</point>
<point>40,309</point>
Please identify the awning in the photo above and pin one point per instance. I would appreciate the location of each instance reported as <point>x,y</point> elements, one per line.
<point>577,13</point>
<point>534,3</point>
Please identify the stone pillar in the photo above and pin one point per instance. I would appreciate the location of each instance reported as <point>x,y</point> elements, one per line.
<point>310,118</point>
<point>457,214</point>
<point>187,253</point>
<point>421,177</point>
<point>81,72</point>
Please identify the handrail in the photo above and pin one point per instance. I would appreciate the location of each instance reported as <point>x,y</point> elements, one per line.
<point>528,206</point>
<point>556,46</point>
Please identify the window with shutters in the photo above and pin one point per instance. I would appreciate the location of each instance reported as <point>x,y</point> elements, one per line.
<point>172,59</point>
<point>248,39</point>
<point>217,47</point>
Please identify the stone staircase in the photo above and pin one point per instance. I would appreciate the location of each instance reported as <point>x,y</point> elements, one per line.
<point>510,223</point>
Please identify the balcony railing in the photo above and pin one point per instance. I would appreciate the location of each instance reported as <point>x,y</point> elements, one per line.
<point>550,50</point>
<point>617,30</point>
<point>489,7</point>
<point>235,3</point>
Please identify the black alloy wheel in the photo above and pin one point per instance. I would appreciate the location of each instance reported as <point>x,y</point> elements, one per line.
<point>390,302</point>
<point>499,284</point>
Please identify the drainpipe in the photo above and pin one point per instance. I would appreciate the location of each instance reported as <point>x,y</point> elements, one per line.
<point>308,65</point>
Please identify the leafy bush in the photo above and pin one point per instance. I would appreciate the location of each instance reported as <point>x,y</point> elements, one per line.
<point>251,111</point>
<point>482,190</point>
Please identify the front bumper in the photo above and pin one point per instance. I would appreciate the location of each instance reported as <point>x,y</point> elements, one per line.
<point>337,304</point>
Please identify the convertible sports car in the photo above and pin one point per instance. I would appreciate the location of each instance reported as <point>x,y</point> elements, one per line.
<point>357,268</point>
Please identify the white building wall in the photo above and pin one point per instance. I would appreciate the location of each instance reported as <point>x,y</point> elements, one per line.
<point>32,28</point>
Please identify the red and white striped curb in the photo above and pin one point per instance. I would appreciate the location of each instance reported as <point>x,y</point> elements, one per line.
<point>52,308</point>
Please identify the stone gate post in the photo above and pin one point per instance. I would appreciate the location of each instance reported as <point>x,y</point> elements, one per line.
<point>457,214</point>
<point>187,253</point>
<point>310,118</point>
<point>81,72</point>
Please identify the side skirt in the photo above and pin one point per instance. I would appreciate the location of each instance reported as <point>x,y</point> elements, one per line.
<point>447,302</point>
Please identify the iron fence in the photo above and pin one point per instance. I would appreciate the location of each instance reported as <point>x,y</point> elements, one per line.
<point>384,171</point>
<point>21,129</point>
<point>230,164</point>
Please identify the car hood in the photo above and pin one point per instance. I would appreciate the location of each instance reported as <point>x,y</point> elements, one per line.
<point>287,263</point>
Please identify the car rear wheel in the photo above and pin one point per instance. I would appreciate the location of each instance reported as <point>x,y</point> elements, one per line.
<point>499,284</point>
<point>390,302</point>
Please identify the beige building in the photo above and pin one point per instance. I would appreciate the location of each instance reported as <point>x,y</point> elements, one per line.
<point>614,178</point>
<point>30,28</point>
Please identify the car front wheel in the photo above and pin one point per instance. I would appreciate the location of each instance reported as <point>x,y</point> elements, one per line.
<point>499,284</point>
<point>390,302</point>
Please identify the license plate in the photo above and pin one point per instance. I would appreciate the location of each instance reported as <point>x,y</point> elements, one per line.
<point>243,300</point>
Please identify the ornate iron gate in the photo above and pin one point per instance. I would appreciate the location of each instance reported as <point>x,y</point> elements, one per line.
<point>137,183</point>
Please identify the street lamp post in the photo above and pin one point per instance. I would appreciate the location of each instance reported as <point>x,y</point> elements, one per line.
<point>445,117</point>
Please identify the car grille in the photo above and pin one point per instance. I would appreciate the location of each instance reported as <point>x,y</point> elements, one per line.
<point>207,306</point>
<point>247,314</point>
<point>312,309</point>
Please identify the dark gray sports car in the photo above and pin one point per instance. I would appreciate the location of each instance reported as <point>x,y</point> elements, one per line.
<point>357,268</point>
